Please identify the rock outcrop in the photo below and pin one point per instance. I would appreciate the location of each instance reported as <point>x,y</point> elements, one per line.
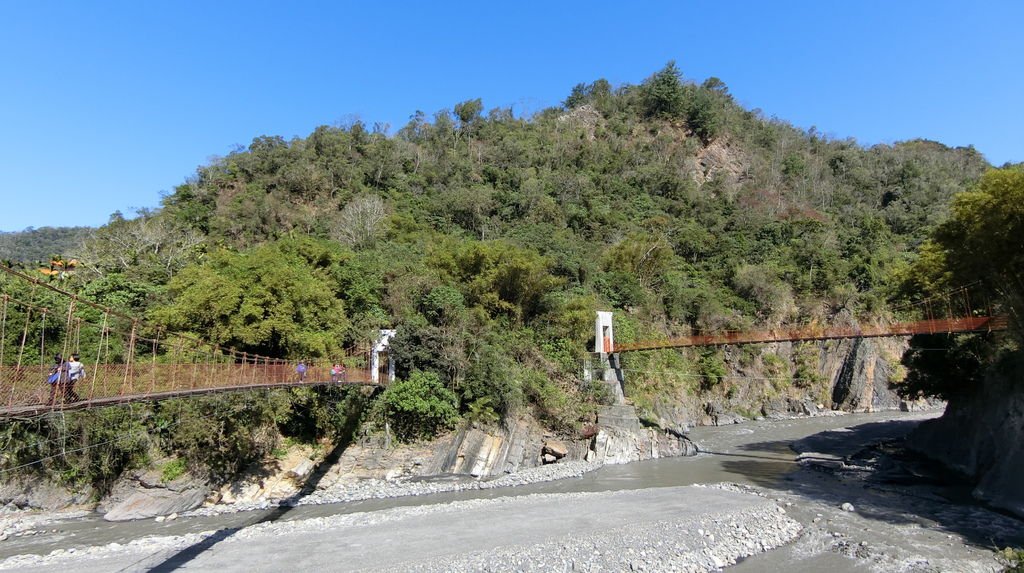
<point>276,479</point>
<point>979,435</point>
<point>142,494</point>
<point>862,382</point>
<point>621,439</point>
<point>521,444</point>
<point>851,375</point>
<point>473,452</point>
<point>40,494</point>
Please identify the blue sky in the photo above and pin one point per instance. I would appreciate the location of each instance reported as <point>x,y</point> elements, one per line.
<point>107,104</point>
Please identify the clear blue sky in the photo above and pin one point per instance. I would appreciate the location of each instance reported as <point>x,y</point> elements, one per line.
<point>104,105</point>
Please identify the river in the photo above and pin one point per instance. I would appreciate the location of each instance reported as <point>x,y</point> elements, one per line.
<point>905,518</point>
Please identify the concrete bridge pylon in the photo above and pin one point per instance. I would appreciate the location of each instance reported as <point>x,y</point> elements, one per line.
<point>607,367</point>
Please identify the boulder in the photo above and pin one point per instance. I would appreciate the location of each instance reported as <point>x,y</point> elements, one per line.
<point>549,459</point>
<point>143,495</point>
<point>241,491</point>
<point>556,448</point>
<point>151,502</point>
<point>301,469</point>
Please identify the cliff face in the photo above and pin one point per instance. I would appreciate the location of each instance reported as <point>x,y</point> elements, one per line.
<point>520,444</point>
<point>861,381</point>
<point>848,375</point>
<point>979,435</point>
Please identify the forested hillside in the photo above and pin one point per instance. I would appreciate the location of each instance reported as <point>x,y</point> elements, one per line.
<point>488,240</point>
<point>34,245</point>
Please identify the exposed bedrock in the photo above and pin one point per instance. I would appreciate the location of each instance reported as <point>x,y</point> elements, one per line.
<point>979,435</point>
<point>763,381</point>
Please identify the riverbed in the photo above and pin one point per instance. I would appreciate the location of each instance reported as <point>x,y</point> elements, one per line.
<point>901,515</point>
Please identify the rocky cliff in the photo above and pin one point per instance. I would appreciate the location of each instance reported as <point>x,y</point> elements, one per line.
<point>520,444</point>
<point>782,379</point>
<point>979,435</point>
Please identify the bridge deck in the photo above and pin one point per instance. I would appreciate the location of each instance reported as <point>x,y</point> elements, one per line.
<point>25,392</point>
<point>36,409</point>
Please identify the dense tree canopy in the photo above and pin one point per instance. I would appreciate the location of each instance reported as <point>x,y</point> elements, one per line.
<point>34,245</point>
<point>981,244</point>
<point>275,300</point>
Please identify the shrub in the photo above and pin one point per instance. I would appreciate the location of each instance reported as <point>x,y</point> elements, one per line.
<point>420,406</point>
<point>172,470</point>
<point>712,370</point>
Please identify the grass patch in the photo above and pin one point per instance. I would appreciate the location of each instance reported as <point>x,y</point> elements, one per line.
<point>173,470</point>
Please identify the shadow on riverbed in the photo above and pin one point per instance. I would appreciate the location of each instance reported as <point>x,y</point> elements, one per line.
<point>869,467</point>
<point>184,556</point>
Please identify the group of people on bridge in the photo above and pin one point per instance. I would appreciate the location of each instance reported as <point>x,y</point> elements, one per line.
<point>62,379</point>
<point>338,373</point>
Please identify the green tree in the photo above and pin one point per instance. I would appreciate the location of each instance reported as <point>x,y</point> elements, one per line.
<point>704,115</point>
<point>468,113</point>
<point>420,406</point>
<point>980,244</point>
<point>982,241</point>
<point>275,300</point>
<point>716,85</point>
<point>946,366</point>
<point>663,95</point>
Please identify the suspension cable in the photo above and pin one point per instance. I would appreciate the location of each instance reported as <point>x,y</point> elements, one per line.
<point>3,330</point>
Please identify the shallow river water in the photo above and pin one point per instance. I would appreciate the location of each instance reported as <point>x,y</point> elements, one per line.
<point>757,454</point>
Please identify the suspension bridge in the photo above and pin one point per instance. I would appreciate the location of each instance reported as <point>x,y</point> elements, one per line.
<point>948,313</point>
<point>814,332</point>
<point>125,360</point>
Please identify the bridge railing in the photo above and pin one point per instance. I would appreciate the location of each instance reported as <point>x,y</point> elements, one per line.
<point>125,358</point>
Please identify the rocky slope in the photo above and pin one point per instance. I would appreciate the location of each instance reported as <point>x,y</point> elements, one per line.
<point>979,436</point>
<point>849,375</point>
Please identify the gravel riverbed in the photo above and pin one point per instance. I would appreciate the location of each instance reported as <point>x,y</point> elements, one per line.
<point>658,529</point>
<point>848,499</point>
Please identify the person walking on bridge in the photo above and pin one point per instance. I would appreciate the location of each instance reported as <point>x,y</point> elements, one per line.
<point>301,371</point>
<point>76,372</point>
<point>57,377</point>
